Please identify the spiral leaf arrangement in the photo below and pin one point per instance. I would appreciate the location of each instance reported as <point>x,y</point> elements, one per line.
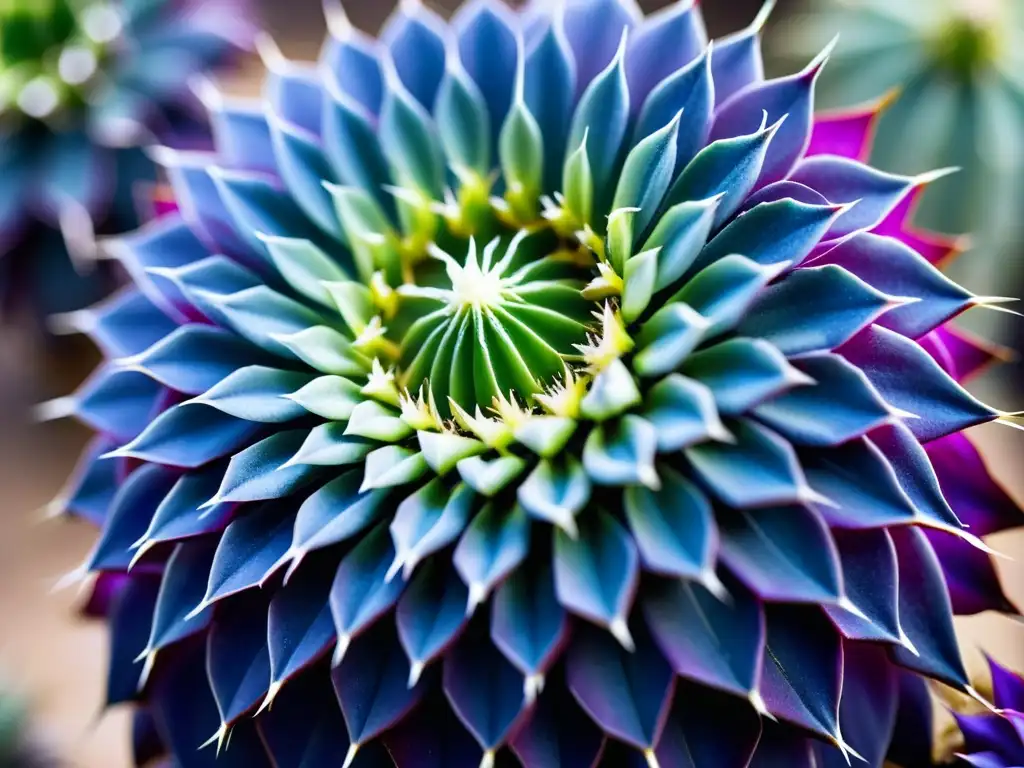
<point>545,389</point>
<point>82,84</point>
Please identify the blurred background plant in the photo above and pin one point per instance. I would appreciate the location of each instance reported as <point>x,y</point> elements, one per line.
<point>62,664</point>
<point>20,747</point>
<point>953,72</point>
<point>84,85</point>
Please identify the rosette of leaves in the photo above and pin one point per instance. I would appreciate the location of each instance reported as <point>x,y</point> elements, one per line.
<point>952,72</point>
<point>546,388</point>
<point>83,83</point>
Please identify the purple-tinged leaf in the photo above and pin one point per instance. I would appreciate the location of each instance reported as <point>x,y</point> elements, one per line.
<point>925,612</point>
<point>489,50</point>
<point>708,729</point>
<point>361,592</point>
<point>726,169</point>
<point>602,117</point>
<point>802,674</point>
<point>549,90</point>
<point>867,711</point>
<point>673,527</point>
<point>737,62</point>
<point>130,514</point>
<point>372,685</point>
<point>93,484</point>
<point>689,89</point>
<point>833,306</point>
<point>258,393</point>
<point>415,37</point>
<point>186,716</point>
<point>915,473</point>
<point>771,233</point>
<point>147,744</point>
<point>842,405</point>
<point>714,641</point>
<point>594,45</point>
<point>131,613</point>
<point>781,745</point>
<point>334,513</point>
<point>909,379</point>
<point>742,373</point>
<point>431,613</point>
<point>914,730</point>
<point>1007,686</point>
<point>972,491</point>
<point>115,401</point>
<point>237,659</point>
<point>844,181</point>
<point>485,691</point>
<point>431,736</point>
<point>189,435</point>
<point>622,452</point>
<point>249,552</point>
<point>683,413</point>
<point>896,270</point>
<point>664,43</point>
<point>792,96</point>
<point>596,573</point>
<point>628,693</point>
<point>299,624</point>
<point>427,521</point>
<point>528,625</point>
<point>181,589</point>
<point>870,584</point>
<point>757,469</point>
<point>781,553</point>
<point>495,543</point>
<point>305,728</point>
<point>180,516</point>
<point>557,734</point>
<point>262,471</point>
<point>861,487</point>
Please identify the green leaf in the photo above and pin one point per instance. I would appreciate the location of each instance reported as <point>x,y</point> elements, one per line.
<point>443,450</point>
<point>409,142</point>
<point>303,266</point>
<point>647,174</point>
<point>641,273</point>
<point>490,477</point>
<point>521,149</point>
<point>578,184</point>
<point>326,350</point>
<point>620,237</point>
<point>393,465</point>
<point>681,234</point>
<point>463,124</point>
<point>377,422</point>
<point>668,338</point>
<point>329,446</point>
<point>612,392</point>
<point>545,435</point>
<point>331,397</point>
<point>354,301</point>
<point>556,492</point>
<point>368,230</point>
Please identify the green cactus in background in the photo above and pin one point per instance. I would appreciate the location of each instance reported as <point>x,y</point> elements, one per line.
<point>954,73</point>
<point>17,750</point>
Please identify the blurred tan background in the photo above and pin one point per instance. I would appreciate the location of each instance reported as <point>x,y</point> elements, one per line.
<point>58,661</point>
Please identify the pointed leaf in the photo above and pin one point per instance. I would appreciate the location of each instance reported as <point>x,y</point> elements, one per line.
<point>431,613</point>
<point>299,625</point>
<point>493,545</point>
<point>683,412</point>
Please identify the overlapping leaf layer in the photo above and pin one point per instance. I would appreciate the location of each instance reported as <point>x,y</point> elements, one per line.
<point>84,83</point>
<point>545,389</point>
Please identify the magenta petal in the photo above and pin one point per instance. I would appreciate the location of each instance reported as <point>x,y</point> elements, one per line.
<point>848,133</point>
<point>970,574</point>
<point>960,354</point>
<point>971,490</point>
<point>934,247</point>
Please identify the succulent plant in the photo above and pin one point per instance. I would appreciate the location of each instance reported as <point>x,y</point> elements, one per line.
<point>951,70</point>
<point>545,388</point>
<point>82,84</point>
<point>996,740</point>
